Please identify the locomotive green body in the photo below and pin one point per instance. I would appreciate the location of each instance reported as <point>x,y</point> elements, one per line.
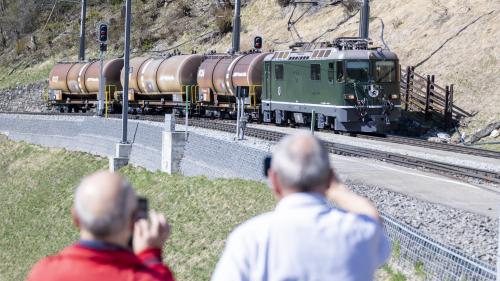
<point>346,89</point>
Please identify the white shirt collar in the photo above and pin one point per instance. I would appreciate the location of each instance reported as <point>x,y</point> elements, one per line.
<point>302,199</point>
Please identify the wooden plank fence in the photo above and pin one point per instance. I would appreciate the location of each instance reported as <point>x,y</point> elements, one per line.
<point>422,94</point>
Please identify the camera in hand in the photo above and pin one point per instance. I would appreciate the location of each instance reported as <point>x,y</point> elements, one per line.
<point>267,165</point>
<point>142,208</point>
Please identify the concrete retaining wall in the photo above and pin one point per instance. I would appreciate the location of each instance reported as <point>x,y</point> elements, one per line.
<point>203,155</point>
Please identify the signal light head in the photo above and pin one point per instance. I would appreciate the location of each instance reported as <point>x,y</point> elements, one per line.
<point>257,42</point>
<point>103,33</point>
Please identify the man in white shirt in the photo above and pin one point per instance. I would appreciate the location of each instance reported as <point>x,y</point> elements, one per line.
<point>305,238</point>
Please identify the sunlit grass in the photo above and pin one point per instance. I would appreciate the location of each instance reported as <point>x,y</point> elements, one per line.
<point>36,186</point>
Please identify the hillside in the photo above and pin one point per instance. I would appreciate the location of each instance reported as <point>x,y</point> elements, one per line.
<point>454,39</point>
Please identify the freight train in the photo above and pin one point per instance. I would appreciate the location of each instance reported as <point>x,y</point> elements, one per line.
<point>345,85</point>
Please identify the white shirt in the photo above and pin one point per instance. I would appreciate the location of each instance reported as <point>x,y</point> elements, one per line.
<point>304,239</point>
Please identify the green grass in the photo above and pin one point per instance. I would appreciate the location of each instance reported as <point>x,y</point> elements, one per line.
<point>36,191</point>
<point>420,269</point>
<point>393,275</point>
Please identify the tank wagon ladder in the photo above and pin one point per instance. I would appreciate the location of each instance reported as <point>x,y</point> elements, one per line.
<point>253,95</point>
<point>190,96</point>
<point>108,92</point>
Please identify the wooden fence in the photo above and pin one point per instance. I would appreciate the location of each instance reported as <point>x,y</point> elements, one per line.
<point>422,94</point>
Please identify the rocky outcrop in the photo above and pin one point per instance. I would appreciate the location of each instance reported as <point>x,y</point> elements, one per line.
<point>30,98</point>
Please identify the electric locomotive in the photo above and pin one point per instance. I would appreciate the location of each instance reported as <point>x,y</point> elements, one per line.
<point>343,85</point>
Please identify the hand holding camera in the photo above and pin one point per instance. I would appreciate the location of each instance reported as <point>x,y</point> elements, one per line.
<point>150,234</point>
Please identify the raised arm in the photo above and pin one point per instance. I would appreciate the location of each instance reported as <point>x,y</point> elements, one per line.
<point>350,201</point>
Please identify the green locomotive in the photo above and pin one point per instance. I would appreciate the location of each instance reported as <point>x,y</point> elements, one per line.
<point>343,85</point>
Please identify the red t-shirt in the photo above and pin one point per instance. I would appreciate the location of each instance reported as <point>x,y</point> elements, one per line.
<point>82,263</point>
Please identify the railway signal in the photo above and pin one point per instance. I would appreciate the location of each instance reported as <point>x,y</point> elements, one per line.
<point>103,33</point>
<point>102,37</point>
<point>257,42</point>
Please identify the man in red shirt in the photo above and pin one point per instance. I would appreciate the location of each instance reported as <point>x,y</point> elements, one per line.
<point>105,211</point>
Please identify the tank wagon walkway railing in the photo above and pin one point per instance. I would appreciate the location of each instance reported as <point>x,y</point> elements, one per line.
<point>412,249</point>
<point>422,94</point>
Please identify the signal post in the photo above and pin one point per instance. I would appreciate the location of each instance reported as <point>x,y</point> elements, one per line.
<point>102,34</point>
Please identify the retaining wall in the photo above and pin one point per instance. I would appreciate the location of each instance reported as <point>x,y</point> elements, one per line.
<point>203,155</point>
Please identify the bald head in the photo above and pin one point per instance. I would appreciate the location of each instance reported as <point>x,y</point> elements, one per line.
<point>301,162</point>
<point>104,203</point>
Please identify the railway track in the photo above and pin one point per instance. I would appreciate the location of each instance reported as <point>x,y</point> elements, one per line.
<point>434,145</point>
<point>446,169</point>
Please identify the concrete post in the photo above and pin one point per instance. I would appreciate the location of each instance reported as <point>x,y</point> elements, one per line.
<point>173,143</point>
<point>122,156</point>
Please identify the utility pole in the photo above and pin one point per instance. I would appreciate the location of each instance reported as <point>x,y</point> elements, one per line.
<point>236,26</point>
<point>128,9</point>
<point>364,23</point>
<point>83,17</point>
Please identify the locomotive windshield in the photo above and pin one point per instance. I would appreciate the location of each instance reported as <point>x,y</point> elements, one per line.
<point>358,70</point>
<point>385,71</point>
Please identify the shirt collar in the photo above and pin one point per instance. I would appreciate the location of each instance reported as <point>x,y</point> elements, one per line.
<point>100,245</point>
<point>302,199</point>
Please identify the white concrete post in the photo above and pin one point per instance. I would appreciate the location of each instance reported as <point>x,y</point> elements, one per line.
<point>122,155</point>
<point>173,143</point>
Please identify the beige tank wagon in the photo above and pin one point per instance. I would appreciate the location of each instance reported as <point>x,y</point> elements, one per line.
<point>162,81</point>
<point>76,84</point>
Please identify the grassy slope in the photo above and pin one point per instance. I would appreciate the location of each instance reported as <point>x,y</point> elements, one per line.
<point>36,193</point>
<point>36,186</point>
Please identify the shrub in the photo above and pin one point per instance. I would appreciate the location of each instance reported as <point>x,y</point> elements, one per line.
<point>224,20</point>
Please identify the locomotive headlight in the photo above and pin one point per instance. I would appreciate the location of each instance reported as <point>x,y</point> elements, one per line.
<point>349,97</point>
<point>394,96</point>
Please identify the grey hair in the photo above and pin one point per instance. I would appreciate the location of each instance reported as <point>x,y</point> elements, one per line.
<point>110,222</point>
<point>304,168</point>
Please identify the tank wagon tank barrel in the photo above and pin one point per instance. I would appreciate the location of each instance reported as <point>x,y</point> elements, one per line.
<point>162,81</point>
<point>218,76</point>
<point>78,82</point>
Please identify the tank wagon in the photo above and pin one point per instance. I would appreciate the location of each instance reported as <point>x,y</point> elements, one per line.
<point>345,86</point>
<point>161,82</point>
<point>74,86</point>
<point>218,77</point>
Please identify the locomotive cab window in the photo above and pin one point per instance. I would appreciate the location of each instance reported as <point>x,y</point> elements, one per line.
<point>340,71</point>
<point>358,70</point>
<point>279,72</point>
<point>331,73</point>
<point>385,71</point>
<point>315,72</point>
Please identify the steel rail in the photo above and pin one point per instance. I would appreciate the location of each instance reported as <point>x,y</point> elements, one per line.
<point>434,145</point>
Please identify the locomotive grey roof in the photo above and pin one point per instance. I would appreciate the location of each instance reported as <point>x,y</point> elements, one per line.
<point>331,54</point>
